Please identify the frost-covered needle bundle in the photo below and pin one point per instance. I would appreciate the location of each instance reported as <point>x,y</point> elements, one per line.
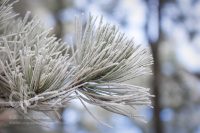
<point>37,71</point>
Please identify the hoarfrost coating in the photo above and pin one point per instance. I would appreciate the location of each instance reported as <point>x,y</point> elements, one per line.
<point>36,67</point>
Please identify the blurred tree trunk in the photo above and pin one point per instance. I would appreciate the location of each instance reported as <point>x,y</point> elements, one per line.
<point>156,88</point>
<point>21,7</point>
<point>59,29</point>
<point>155,9</point>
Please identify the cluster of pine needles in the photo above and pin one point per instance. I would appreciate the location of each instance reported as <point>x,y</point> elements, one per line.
<point>40,72</point>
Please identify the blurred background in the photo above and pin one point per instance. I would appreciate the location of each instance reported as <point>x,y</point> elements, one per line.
<point>170,28</point>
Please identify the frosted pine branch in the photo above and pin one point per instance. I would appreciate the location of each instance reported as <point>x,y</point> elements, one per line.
<point>105,60</point>
<point>37,71</point>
